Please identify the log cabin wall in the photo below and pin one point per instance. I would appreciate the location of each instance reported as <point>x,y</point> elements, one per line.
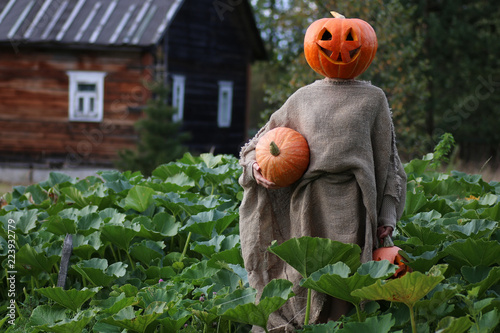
<point>34,122</point>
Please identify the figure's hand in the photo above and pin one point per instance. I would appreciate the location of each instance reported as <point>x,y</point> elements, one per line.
<point>259,178</point>
<point>383,232</point>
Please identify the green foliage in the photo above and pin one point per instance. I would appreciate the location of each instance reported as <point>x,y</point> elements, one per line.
<point>161,140</point>
<point>162,254</point>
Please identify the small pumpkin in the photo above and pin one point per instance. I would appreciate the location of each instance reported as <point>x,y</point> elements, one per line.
<point>283,155</point>
<point>339,47</point>
<point>390,252</point>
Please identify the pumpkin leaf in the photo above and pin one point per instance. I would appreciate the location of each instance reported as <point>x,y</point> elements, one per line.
<point>71,299</point>
<point>139,198</point>
<point>31,262</point>
<point>114,304</point>
<point>205,223</point>
<point>453,325</point>
<point>472,252</point>
<point>98,272</point>
<point>274,295</point>
<point>309,254</point>
<point>75,324</point>
<point>379,324</point>
<point>408,289</point>
<point>136,321</point>
<point>334,280</point>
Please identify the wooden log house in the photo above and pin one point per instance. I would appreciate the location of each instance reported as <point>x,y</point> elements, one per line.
<point>75,74</point>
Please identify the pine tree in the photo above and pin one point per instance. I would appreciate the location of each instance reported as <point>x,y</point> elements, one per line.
<point>161,140</point>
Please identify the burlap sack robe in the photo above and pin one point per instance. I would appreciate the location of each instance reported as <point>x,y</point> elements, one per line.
<point>353,166</point>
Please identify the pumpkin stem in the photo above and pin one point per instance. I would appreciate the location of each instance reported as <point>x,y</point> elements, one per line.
<point>388,242</point>
<point>275,151</point>
<point>337,15</point>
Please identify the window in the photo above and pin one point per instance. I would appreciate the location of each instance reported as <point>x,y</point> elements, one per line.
<point>86,95</point>
<point>225,103</point>
<point>178,85</point>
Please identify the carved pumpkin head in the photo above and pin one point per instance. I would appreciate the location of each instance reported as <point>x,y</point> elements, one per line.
<point>340,48</point>
<point>391,253</point>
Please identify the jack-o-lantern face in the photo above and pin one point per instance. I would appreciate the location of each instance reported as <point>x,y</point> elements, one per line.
<point>339,47</point>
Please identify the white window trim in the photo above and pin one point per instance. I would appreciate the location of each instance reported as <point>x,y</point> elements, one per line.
<point>225,108</point>
<point>86,77</point>
<point>178,88</point>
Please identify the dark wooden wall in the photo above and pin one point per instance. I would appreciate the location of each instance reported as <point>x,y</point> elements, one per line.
<point>34,123</point>
<point>207,45</point>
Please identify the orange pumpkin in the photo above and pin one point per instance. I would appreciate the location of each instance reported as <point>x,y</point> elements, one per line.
<point>283,155</point>
<point>339,47</point>
<point>391,253</point>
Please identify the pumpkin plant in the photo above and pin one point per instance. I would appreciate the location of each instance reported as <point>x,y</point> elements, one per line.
<point>391,253</point>
<point>339,47</point>
<point>283,155</point>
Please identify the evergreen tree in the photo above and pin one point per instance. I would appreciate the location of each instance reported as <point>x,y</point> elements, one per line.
<point>160,139</point>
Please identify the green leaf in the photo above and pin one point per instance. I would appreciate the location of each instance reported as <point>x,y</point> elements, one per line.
<point>46,315</point>
<point>129,319</point>
<point>472,252</point>
<point>408,289</point>
<point>98,272</point>
<point>56,178</point>
<point>71,299</point>
<point>199,271</point>
<point>76,196</point>
<point>204,223</point>
<point>309,254</point>
<point>120,234</point>
<point>31,262</point>
<point>75,324</point>
<point>274,295</point>
<point>453,325</point>
<point>175,320</point>
<point>191,203</point>
<point>335,281</point>
<point>426,235</point>
<point>89,223</point>
<point>163,225</point>
<point>475,229</point>
<point>85,246</point>
<point>139,198</point>
<point>491,280</point>
<point>152,295</point>
<point>25,221</point>
<point>179,182</point>
<point>38,194</point>
<point>60,226</point>
<point>487,322</point>
<point>113,305</point>
<point>379,324</point>
<point>146,251</point>
<point>414,202</point>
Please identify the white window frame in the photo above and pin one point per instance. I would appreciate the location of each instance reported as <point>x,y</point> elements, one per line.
<point>178,88</point>
<point>225,105</point>
<point>87,98</point>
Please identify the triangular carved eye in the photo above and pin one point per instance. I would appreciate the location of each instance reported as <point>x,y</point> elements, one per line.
<point>349,35</point>
<point>326,35</point>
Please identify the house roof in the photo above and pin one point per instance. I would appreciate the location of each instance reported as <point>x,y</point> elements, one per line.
<point>136,23</point>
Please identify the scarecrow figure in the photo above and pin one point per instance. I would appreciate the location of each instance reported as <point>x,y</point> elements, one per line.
<point>353,190</point>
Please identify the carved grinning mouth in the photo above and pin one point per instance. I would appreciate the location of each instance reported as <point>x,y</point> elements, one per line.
<point>328,53</point>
